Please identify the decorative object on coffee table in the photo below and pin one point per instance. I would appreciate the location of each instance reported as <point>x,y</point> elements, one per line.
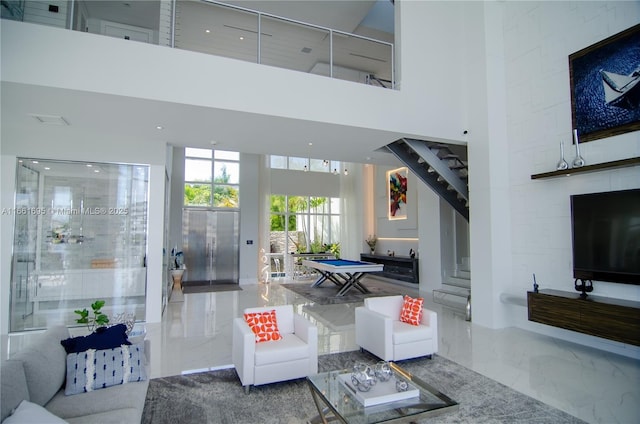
<point>126,318</point>
<point>363,377</point>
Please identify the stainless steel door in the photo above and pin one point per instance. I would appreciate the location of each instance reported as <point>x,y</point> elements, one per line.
<point>211,245</point>
<point>225,255</point>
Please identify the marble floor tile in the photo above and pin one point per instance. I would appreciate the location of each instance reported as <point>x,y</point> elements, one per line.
<point>593,385</point>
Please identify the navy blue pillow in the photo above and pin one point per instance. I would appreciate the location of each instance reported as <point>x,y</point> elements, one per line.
<point>102,338</point>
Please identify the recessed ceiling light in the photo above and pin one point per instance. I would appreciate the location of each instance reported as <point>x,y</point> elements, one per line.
<point>35,161</point>
<point>241,38</point>
<point>96,170</point>
<point>89,165</point>
<point>159,127</point>
<point>47,168</point>
<point>207,31</point>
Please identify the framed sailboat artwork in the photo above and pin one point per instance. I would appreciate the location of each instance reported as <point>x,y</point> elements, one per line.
<point>605,86</point>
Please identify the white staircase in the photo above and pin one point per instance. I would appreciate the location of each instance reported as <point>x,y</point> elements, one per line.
<point>456,291</point>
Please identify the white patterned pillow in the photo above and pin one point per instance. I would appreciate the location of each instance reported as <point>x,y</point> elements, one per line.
<point>97,369</point>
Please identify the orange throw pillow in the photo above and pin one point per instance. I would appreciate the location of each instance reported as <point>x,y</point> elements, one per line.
<point>411,312</point>
<point>263,325</point>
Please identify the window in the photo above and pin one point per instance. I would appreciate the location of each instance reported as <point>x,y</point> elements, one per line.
<point>306,164</point>
<point>211,178</point>
<point>304,224</point>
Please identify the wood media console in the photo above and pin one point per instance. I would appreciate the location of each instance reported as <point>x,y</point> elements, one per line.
<point>397,267</point>
<point>613,319</point>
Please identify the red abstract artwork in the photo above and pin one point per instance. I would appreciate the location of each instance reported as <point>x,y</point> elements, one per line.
<point>397,181</point>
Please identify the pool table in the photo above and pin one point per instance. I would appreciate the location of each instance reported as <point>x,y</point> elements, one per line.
<point>344,273</point>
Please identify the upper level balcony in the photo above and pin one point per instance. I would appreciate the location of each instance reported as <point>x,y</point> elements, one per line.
<point>364,55</point>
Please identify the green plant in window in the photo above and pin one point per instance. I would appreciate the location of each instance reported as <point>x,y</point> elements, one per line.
<point>98,319</point>
<point>317,247</point>
<point>334,248</point>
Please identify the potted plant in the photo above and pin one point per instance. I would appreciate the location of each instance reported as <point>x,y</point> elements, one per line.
<point>371,241</point>
<point>97,320</point>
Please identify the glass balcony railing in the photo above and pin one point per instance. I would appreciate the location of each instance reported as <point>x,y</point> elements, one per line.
<point>225,30</point>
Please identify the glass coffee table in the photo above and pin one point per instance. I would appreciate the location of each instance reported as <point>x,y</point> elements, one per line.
<point>337,400</point>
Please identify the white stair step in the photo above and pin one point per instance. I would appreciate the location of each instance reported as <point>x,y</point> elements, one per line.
<point>465,265</point>
<point>463,274</point>
<point>458,281</point>
<point>450,299</point>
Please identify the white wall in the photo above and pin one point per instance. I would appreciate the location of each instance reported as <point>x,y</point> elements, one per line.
<point>539,38</point>
<point>509,63</point>
<point>249,218</point>
<point>540,116</point>
<point>430,67</point>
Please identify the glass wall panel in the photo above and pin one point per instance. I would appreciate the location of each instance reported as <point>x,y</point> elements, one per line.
<point>226,172</point>
<point>293,46</point>
<point>217,30</point>
<point>13,10</point>
<point>297,164</point>
<point>197,170</point>
<point>192,152</point>
<point>278,162</point>
<point>212,178</point>
<point>362,60</point>
<point>197,194</point>
<point>318,165</point>
<point>80,236</point>
<point>223,154</point>
<point>225,196</point>
<point>223,30</point>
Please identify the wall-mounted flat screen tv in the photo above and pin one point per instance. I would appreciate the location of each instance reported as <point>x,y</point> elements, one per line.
<point>606,236</point>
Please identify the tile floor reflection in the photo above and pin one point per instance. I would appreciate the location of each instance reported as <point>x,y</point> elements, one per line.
<point>593,385</point>
<point>596,386</point>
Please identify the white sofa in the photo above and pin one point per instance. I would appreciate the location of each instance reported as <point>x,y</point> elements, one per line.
<point>380,331</point>
<point>294,356</point>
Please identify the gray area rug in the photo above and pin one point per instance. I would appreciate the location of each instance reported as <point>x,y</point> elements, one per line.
<point>326,293</point>
<point>218,397</point>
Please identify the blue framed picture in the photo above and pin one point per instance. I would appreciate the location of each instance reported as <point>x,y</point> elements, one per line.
<point>605,86</point>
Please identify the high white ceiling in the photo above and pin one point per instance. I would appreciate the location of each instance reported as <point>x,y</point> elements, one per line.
<point>193,126</point>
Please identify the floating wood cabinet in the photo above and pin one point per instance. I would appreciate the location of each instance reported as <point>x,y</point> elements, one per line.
<point>397,267</point>
<point>612,319</point>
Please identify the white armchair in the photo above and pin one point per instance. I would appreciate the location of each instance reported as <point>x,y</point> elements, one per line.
<point>380,331</point>
<point>293,356</point>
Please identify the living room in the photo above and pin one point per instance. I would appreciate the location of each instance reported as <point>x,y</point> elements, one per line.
<point>521,226</point>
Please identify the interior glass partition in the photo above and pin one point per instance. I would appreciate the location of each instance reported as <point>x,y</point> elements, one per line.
<point>80,235</point>
<point>362,60</point>
<point>305,48</point>
<point>226,30</point>
<point>12,9</point>
<point>217,30</point>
